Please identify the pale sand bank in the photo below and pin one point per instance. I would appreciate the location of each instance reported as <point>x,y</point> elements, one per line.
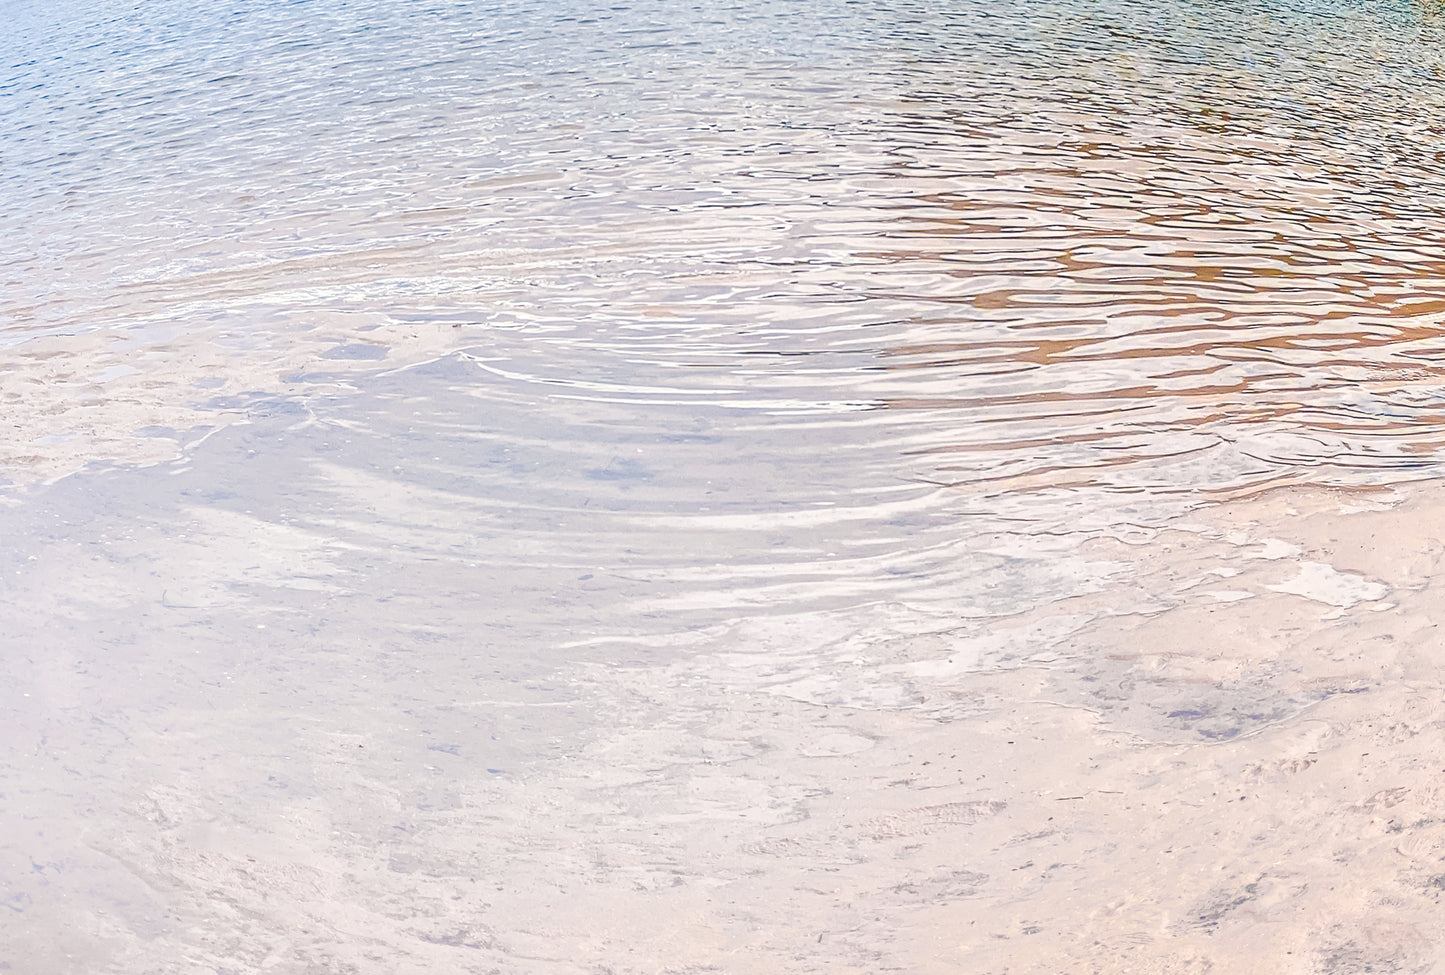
<point>1230,784</point>
<point>1226,758</point>
<point>1248,777</point>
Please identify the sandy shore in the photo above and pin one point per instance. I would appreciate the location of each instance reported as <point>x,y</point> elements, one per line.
<point>1221,754</point>
<point>1225,759</point>
<point>1243,776</point>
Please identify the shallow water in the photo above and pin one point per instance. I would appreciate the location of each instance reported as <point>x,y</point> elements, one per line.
<point>375,370</point>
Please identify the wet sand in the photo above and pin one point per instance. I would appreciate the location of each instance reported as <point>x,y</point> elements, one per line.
<point>1220,755</point>
<point>1243,777</point>
<point>243,742</point>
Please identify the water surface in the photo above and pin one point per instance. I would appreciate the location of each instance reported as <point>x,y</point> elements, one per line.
<point>404,361</point>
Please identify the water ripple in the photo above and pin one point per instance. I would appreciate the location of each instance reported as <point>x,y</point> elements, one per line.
<point>1008,249</point>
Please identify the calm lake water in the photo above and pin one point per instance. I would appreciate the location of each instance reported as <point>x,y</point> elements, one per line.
<point>373,367</point>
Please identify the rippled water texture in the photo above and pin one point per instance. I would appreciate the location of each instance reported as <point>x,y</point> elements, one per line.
<point>1124,245</point>
<point>561,333</point>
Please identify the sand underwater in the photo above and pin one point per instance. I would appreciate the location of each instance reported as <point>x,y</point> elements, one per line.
<point>243,740</point>
<point>774,488</point>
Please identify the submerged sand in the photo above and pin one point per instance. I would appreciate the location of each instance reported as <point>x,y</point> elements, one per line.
<point>1221,753</point>
<point>142,394</point>
<point>1231,762</point>
<point>1224,758</point>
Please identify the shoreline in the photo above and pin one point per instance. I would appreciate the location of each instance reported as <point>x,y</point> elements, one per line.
<point>1221,757</point>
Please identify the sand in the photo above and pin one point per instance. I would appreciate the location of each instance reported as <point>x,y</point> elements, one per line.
<point>227,754</point>
<point>1243,776</point>
<point>143,393</point>
<point>1246,777</point>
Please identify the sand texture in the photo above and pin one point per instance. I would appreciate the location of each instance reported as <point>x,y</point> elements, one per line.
<point>1228,759</point>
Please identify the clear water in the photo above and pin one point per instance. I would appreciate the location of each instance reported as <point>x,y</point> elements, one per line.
<point>408,356</point>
